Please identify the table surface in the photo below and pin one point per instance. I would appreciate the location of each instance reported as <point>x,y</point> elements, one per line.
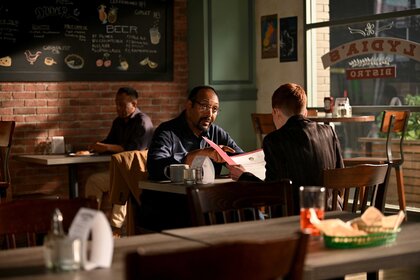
<point>28,263</point>
<point>321,263</point>
<point>353,118</point>
<point>167,186</point>
<point>61,159</point>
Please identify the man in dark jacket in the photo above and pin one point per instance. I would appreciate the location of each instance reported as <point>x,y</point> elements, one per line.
<point>299,149</point>
<point>180,140</point>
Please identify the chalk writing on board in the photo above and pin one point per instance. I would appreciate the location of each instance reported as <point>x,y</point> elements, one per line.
<point>55,40</point>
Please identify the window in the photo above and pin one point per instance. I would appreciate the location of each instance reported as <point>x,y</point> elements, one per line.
<point>368,50</point>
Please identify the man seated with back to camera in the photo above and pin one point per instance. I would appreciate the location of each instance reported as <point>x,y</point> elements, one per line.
<point>180,140</point>
<point>299,149</point>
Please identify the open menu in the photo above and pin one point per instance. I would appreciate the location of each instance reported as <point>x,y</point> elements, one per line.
<point>253,162</point>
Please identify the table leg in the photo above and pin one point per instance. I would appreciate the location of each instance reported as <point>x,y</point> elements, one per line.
<point>73,185</point>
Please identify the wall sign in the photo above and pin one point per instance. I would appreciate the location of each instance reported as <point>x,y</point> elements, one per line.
<point>288,39</point>
<point>77,40</point>
<point>269,36</point>
<point>387,45</point>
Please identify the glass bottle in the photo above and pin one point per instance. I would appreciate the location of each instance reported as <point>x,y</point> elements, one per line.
<point>61,252</point>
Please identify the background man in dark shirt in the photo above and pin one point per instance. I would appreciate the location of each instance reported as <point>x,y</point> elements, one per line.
<point>180,141</point>
<point>131,130</point>
<point>299,149</point>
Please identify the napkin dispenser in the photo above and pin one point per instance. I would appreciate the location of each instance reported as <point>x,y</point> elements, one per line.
<point>342,107</point>
<point>101,247</point>
<point>57,145</point>
<point>207,167</point>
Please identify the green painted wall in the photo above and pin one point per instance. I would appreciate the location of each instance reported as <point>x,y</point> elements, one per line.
<point>235,118</point>
<point>221,54</point>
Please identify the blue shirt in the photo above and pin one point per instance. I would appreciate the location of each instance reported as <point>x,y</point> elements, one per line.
<point>173,140</point>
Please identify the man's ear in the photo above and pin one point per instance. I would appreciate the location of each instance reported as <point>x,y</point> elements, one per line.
<point>134,102</point>
<point>275,112</point>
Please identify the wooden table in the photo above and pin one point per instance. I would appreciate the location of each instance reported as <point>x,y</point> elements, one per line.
<point>321,263</point>
<point>167,186</point>
<point>71,161</point>
<point>28,263</point>
<point>353,118</point>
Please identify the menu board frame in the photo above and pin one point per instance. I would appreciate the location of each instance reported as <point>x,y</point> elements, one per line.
<point>78,40</point>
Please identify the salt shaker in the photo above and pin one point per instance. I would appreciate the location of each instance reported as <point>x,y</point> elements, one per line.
<point>61,253</point>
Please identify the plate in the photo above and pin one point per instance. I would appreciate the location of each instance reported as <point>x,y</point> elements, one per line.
<point>75,155</point>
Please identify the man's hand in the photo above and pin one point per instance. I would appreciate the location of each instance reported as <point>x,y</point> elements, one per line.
<point>214,155</point>
<point>99,147</point>
<point>235,171</point>
<point>208,152</point>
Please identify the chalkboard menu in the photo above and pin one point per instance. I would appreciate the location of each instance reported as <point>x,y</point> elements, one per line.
<point>86,40</point>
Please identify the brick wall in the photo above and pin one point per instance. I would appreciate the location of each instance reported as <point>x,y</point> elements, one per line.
<point>82,112</point>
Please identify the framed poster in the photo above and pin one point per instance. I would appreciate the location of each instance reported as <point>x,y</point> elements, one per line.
<point>269,36</point>
<point>288,39</point>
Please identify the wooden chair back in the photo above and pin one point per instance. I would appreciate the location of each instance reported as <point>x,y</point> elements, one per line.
<point>6,136</point>
<point>239,201</point>
<point>263,124</point>
<point>394,122</point>
<point>365,180</point>
<point>312,112</point>
<point>24,223</point>
<point>234,260</point>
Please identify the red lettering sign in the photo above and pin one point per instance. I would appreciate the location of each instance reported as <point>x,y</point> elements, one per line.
<point>371,73</point>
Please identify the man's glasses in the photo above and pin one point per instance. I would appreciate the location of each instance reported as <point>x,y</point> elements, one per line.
<point>205,107</point>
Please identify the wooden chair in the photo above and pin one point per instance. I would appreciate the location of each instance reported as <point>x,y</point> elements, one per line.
<point>263,124</point>
<point>234,260</point>
<point>239,201</point>
<point>393,122</point>
<point>366,180</point>
<point>26,221</point>
<point>6,136</point>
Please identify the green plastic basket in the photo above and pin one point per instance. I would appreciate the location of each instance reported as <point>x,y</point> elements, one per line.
<point>369,240</point>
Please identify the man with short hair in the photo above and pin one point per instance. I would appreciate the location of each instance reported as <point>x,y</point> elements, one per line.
<point>131,130</point>
<point>299,149</point>
<point>180,140</point>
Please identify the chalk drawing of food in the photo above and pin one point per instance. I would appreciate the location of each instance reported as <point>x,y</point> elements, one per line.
<point>49,61</point>
<point>32,58</point>
<point>152,64</point>
<point>123,64</point>
<point>144,61</point>
<point>6,61</point>
<point>74,61</point>
<point>102,14</point>
<point>149,63</point>
<point>104,61</point>
<point>112,15</point>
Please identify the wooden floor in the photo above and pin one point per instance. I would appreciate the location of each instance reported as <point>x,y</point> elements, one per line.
<point>394,274</point>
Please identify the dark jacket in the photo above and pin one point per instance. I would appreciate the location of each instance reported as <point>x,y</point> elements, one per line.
<point>300,151</point>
